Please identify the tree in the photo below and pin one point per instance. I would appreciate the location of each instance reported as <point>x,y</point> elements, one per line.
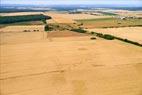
<point>46,28</point>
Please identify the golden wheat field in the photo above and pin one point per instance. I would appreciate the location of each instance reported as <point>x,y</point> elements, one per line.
<point>70,18</point>
<point>64,62</point>
<point>35,65</point>
<point>22,28</point>
<point>131,33</point>
<point>19,13</point>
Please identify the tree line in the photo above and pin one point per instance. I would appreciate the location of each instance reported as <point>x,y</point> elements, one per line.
<point>22,18</point>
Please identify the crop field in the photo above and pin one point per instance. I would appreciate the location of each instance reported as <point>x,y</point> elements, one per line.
<point>128,13</point>
<point>66,60</point>
<point>20,13</point>
<point>110,22</point>
<point>131,33</point>
<point>22,28</point>
<point>23,23</point>
<point>70,18</point>
<point>72,65</point>
<point>107,13</point>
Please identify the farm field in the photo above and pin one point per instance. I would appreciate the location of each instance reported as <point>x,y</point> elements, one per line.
<point>73,65</point>
<point>131,33</point>
<point>129,13</point>
<point>23,23</point>
<point>70,18</point>
<point>28,37</point>
<point>20,13</point>
<point>62,62</point>
<point>109,22</point>
<point>21,28</point>
<point>123,12</point>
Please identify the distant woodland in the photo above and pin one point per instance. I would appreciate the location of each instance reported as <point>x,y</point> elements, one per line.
<point>22,18</point>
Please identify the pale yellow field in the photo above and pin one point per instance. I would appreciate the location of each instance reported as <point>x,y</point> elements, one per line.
<point>72,65</point>
<point>69,63</point>
<point>129,13</point>
<point>19,13</point>
<point>21,28</point>
<point>131,33</point>
<point>70,18</point>
<point>58,17</point>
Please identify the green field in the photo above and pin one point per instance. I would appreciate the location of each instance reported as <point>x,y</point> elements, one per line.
<point>110,22</point>
<point>107,13</point>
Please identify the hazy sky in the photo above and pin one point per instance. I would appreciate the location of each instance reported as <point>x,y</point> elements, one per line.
<point>52,2</point>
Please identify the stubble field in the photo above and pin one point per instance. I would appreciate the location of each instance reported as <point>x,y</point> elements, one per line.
<point>70,18</point>
<point>68,63</point>
<point>73,65</point>
<point>131,33</point>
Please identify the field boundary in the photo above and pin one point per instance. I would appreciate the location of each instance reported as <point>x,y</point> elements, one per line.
<point>112,37</point>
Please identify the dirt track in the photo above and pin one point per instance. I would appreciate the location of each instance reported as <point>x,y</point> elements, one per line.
<point>69,66</point>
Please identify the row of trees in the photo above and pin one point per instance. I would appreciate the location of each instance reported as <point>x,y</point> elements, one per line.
<point>111,37</point>
<point>79,30</point>
<point>23,18</point>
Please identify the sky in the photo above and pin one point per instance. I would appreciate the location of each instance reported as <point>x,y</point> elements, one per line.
<point>69,2</point>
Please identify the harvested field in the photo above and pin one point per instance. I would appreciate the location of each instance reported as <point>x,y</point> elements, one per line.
<point>22,28</point>
<point>72,65</point>
<point>23,23</point>
<point>65,34</point>
<point>28,37</point>
<point>58,17</point>
<point>131,33</point>
<point>19,13</point>
<point>70,18</point>
<point>20,37</point>
<point>110,22</point>
<point>129,13</point>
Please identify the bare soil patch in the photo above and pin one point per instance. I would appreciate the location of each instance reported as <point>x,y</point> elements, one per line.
<point>65,34</point>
